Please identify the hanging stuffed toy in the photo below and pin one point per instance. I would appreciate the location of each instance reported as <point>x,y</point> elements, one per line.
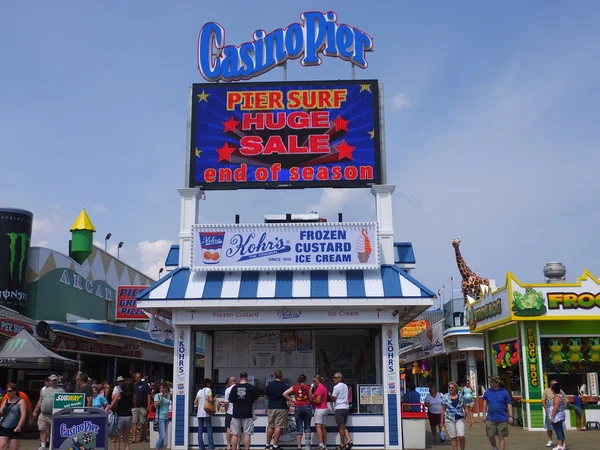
<point>495,350</point>
<point>594,351</point>
<point>416,369</point>
<point>514,359</point>
<point>557,357</point>
<point>426,369</point>
<point>507,356</point>
<point>575,346</point>
<point>501,355</point>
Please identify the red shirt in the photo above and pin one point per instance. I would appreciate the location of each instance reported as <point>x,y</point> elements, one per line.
<point>301,395</point>
<point>321,389</point>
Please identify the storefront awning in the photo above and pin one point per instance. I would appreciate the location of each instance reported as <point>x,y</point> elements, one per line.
<point>389,282</point>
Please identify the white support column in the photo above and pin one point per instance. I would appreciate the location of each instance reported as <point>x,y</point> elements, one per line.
<point>472,376</point>
<point>391,386</point>
<point>189,216</point>
<point>385,219</point>
<point>183,364</point>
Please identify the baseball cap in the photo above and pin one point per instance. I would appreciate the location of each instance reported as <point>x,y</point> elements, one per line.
<point>120,378</point>
<point>496,380</point>
<point>244,375</point>
<point>53,378</point>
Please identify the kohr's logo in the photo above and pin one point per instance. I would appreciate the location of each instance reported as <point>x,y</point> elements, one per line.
<point>17,240</point>
<point>249,247</point>
<point>391,359</point>
<point>319,33</point>
<point>289,314</point>
<point>181,354</point>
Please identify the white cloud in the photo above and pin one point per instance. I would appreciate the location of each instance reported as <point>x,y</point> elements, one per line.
<point>39,244</point>
<point>41,225</point>
<point>101,209</point>
<point>152,256</point>
<point>400,101</point>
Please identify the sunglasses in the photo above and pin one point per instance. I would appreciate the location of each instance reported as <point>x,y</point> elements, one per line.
<point>335,378</point>
<point>9,390</point>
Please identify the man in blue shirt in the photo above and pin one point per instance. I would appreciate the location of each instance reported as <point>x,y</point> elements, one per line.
<point>497,413</point>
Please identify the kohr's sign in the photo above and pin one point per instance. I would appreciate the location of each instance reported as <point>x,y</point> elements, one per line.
<point>285,246</point>
<point>318,34</point>
<point>282,135</point>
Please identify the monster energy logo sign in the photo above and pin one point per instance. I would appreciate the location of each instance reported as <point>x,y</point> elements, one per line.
<point>15,345</point>
<point>15,268</point>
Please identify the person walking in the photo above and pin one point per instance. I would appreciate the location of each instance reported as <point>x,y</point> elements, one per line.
<point>162,402</point>
<point>140,412</point>
<point>13,414</point>
<point>83,387</point>
<point>547,398</point>
<point>469,398</point>
<point>242,395</point>
<point>578,408</point>
<point>302,411</point>
<point>497,413</point>
<point>277,410</point>
<point>123,403</point>
<point>229,411</point>
<point>454,416</point>
<point>204,418</point>
<point>319,401</point>
<point>340,397</point>
<point>557,415</point>
<point>433,401</point>
<point>43,410</point>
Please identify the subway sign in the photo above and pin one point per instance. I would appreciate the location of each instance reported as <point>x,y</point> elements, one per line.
<point>317,34</point>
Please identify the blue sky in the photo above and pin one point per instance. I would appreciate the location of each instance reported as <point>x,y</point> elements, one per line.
<point>491,125</point>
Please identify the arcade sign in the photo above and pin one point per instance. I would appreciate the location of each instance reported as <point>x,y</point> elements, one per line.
<point>285,135</point>
<point>319,33</point>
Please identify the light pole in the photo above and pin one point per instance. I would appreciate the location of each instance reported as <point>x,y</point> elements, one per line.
<point>119,249</point>
<point>160,271</point>
<point>106,240</point>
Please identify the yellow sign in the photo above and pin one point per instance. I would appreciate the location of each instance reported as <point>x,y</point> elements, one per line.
<point>413,328</point>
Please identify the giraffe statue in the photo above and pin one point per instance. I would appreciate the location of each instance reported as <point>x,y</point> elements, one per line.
<point>471,282</point>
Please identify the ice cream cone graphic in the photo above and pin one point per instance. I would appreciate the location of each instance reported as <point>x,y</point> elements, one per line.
<point>363,246</point>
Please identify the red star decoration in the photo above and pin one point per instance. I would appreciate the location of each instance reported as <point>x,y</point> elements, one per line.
<point>230,124</point>
<point>344,150</point>
<point>225,152</point>
<point>340,124</point>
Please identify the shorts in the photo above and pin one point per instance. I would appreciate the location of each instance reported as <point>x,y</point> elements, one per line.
<point>455,428</point>
<point>434,419</point>
<point>140,415</point>
<point>10,433</point>
<point>242,426</point>
<point>124,422</point>
<point>278,418</point>
<point>44,422</point>
<point>321,416</point>
<point>499,429</point>
<point>548,423</point>
<point>341,416</point>
<point>228,418</point>
<point>578,411</point>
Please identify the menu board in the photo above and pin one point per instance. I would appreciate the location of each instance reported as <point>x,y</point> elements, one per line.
<point>263,349</point>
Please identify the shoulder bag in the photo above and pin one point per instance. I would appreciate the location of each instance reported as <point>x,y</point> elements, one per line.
<point>209,407</point>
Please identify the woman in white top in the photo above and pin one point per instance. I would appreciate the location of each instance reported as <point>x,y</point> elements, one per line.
<point>204,419</point>
<point>433,401</point>
<point>557,414</point>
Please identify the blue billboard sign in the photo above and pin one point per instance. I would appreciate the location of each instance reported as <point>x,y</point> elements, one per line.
<point>285,135</point>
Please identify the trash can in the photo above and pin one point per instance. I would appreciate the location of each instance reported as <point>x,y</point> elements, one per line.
<point>80,429</point>
<point>414,431</point>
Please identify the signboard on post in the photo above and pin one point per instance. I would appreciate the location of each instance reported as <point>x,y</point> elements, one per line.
<point>285,135</point>
<point>127,304</point>
<point>79,429</point>
<point>67,400</point>
<point>352,245</point>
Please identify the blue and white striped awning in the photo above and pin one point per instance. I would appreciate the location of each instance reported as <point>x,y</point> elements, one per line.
<point>389,282</point>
